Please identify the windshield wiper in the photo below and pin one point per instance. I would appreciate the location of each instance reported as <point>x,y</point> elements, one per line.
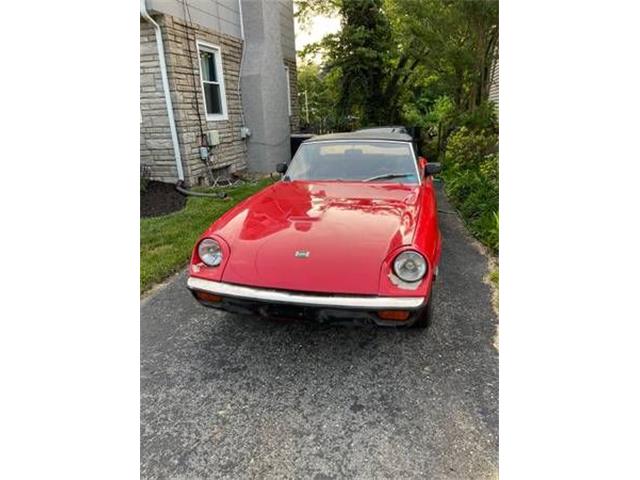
<point>389,175</point>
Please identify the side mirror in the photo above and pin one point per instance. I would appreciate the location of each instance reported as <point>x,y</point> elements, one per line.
<point>281,168</point>
<point>432,169</point>
<point>422,162</point>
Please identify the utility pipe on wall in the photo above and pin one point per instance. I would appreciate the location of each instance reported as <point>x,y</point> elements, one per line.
<point>165,86</point>
<point>244,48</point>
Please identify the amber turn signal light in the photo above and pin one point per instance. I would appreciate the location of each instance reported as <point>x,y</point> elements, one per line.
<point>393,314</point>
<point>208,297</point>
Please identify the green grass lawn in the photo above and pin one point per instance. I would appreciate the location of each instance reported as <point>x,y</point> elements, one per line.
<point>166,242</point>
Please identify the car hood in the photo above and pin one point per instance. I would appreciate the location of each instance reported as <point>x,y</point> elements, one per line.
<point>327,237</point>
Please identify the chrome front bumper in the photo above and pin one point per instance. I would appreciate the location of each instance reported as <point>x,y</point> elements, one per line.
<point>303,299</point>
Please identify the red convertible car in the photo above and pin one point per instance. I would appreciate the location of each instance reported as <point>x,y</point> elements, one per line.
<point>349,233</point>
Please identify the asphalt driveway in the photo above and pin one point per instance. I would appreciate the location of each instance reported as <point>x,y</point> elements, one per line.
<point>224,396</point>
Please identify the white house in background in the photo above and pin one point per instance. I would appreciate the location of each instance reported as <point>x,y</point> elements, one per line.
<point>495,83</point>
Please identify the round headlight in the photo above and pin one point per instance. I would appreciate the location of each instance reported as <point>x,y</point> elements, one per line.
<point>410,266</point>
<point>210,252</point>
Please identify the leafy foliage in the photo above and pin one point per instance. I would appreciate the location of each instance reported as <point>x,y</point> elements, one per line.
<point>455,39</point>
<point>471,182</point>
<point>319,91</point>
<point>360,53</point>
<point>395,59</point>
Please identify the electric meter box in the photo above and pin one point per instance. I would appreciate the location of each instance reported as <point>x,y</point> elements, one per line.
<point>213,138</point>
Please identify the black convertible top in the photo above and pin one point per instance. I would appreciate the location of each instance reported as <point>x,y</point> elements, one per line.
<point>386,128</point>
<point>362,135</point>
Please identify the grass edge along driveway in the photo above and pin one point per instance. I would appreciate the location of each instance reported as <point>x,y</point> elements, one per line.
<point>166,242</point>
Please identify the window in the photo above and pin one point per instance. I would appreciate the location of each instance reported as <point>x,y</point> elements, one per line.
<point>286,73</point>
<point>355,161</point>
<point>212,79</point>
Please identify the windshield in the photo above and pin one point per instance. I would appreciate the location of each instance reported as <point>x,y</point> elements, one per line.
<point>354,161</point>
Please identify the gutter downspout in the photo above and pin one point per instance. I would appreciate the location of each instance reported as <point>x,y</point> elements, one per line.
<point>165,86</point>
<point>244,48</point>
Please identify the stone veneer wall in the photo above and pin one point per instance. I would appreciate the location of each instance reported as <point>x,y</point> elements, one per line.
<point>156,149</point>
<point>294,119</point>
<point>187,97</point>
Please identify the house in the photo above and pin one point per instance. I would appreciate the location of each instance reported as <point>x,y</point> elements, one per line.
<point>218,89</point>
<point>494,85</point>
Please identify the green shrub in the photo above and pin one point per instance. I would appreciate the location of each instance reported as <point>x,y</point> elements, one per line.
<point>483,117</point>
<point>471,181</point>
<point>470,147</point>
<point>494,276</point>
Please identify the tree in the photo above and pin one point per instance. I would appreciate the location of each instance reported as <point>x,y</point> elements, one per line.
<point>396,58</point>
<point>461,38</point>
<point>361,52</point>
<point>319,90</point>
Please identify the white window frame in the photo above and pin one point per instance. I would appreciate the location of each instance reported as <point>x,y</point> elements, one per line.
<point>286,72</point>
<point>215,49</point>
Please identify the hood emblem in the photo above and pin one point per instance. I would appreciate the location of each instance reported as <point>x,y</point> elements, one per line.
<point>302,254</point>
